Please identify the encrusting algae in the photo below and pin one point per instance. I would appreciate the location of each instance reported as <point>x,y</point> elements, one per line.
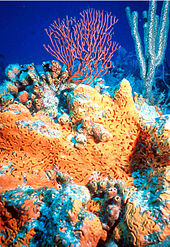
<point>83,154</point>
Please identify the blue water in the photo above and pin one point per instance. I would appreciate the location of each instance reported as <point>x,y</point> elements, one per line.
<point>22,26</point>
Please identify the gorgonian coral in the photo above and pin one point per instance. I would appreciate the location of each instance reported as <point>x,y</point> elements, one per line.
<point>87,40</point>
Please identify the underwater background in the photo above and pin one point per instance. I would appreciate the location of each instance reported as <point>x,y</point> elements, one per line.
<point>84,160</point>
<point>22,25</point>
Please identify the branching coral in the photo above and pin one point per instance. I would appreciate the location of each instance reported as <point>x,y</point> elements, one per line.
<point>88,40</point>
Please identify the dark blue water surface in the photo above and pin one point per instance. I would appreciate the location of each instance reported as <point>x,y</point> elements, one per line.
<point>22,25</point>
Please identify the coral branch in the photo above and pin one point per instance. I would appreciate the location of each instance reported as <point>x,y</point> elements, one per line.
<point>88,41</point>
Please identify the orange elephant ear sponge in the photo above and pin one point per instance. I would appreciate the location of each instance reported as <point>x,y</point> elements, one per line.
<point>109,134</point>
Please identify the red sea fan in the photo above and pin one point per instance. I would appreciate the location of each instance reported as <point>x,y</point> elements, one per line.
<point>88,40</point>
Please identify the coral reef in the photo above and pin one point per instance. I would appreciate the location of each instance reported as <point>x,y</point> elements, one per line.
<point>105,195</point>
<point>36,90</point>
<point>80,165</point>
<point>146,210</point>
<point>49,216</point>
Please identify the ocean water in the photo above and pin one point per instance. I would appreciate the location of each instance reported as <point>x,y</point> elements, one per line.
<point>22,25</point>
